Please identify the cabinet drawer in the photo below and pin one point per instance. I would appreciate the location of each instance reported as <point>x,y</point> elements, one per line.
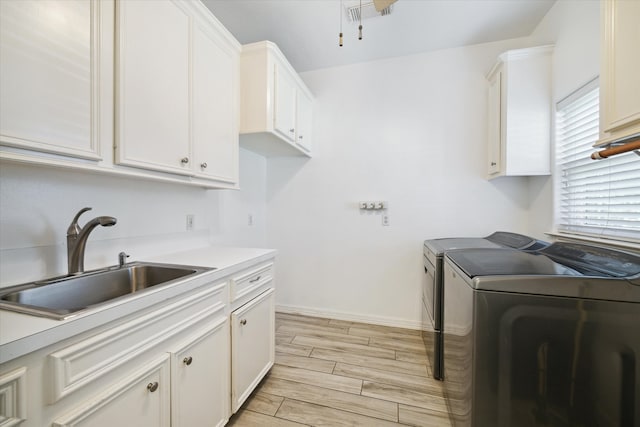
<point>78,364</point>
<point>249,280</point>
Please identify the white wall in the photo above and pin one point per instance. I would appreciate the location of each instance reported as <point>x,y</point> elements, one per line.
<point>411,131</point>
<point>37,205</point>
<point>573,26</point>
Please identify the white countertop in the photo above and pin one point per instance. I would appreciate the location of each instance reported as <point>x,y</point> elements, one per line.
<point>22,333</point>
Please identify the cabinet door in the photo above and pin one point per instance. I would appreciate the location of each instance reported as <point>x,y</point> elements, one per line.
<point>620,90</point>
<point>252,346</point>
<point>215,103</point>
<point>152,80</point>
<point>285,104</point>
<point>200,375</point>
<point>140,399</point>
<point>304,121</point>
<point>495,124</point>
<point>48,76</point>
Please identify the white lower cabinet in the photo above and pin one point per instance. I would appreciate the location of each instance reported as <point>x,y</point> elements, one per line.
<point>142,398</point>
<point>252,345</point>
<point>200,378</point>
<point>187,362</point>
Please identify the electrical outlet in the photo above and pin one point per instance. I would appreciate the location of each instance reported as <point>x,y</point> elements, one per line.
<point>385,219</point>
<point>190,221</point>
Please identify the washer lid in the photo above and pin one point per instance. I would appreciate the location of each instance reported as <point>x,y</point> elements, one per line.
<point>510,262</point>
<point>608,261</point>
<point>511,240</point>
<point>439,246</point>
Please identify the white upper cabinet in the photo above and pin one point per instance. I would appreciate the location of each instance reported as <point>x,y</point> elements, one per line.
<point>284,105</point>
<point>619,70</point>
<point>304,118</point>
<point>177,90</point>
<point>153,85</point>
<point>519,113</point>
<point>49,76</point>
<point>272,96</point>
<point>216,91</point>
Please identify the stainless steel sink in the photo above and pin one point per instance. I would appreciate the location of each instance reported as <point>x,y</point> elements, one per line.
<point>67,296</point>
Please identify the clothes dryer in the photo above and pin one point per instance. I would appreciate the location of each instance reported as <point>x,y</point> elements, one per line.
<point>548,338</point>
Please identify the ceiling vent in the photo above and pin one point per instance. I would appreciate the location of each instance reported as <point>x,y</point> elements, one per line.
<point>352,9</point>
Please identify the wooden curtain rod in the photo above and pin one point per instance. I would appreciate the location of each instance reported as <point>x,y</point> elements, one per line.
<point>629,146</point>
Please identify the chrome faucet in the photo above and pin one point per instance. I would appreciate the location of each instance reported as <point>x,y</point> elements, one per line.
<point>77,239</point>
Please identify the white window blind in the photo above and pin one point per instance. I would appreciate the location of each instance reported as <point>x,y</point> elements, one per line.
<point>597,197</point>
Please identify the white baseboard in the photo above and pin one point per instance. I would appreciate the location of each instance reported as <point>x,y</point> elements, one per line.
<point>374,320</point>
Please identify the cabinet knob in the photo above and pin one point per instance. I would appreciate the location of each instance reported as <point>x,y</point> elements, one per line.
<point>152,386</point>
<point>203,165</point>
<point>184,160</point>
<point>300,137</point>
<point>243,322</point>
<point>292,130</point>
<point>493,163</point>
<point>187,360</point>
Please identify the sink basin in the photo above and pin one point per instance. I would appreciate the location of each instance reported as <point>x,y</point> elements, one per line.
<point>64,297</point>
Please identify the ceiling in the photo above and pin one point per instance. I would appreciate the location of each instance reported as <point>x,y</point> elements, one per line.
<point>307,30</point>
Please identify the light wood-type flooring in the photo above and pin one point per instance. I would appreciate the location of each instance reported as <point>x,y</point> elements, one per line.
<point>336,373</point>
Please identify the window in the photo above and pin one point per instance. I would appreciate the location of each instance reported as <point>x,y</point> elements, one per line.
<point>599,198</point>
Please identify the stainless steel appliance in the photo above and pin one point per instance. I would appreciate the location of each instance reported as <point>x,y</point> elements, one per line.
<point>549,338</point>
<point>432,295</point>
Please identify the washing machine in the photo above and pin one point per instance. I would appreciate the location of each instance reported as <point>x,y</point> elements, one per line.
<point>544,338</point>
<point>432,295</point>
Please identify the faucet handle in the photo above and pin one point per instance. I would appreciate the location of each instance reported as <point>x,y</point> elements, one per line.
<point>74,228</point>
<point>122,259</point>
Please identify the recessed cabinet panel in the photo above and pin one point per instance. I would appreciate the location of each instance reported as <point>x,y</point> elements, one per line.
<point>304,121</point>
<point>215,101</point>
<point>252,345</point>
<point>285,104</point>
<point>495,140</point>
<point>620,81</point>
<point>140,399</point>
<point>153,85</point>
<point>49,76</point>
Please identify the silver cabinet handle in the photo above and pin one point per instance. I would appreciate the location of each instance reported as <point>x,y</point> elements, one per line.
<point>203,165</point>
<point>184,160</point>
<point>300,137</point>
<point>152,386</point>
<point>187,360</point>
<point>243,322</point>
<point>292,130</point>
<point>255,280</point>
<point>493,163</point>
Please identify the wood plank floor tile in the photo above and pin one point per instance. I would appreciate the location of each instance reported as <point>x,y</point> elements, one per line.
<point>320,379</point>
<point>383,333</point>
<point>298,350</point>
<point>372,362</point>
<point>340,323</point>
<point>322,332</point>
<point>413,357</point>
<point>386,329</point>
<point>283,338</point>
<point>351,348</point>
<point>420,417</point>
<point>395,343</point>
<point>404,395</point>
<point>362,405</point>
<point>322,416</point>
<point>413,382</point>
<point>263,403</point>
<point>246,418</point>
<point>302,319</point>
<point>305,362</point>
